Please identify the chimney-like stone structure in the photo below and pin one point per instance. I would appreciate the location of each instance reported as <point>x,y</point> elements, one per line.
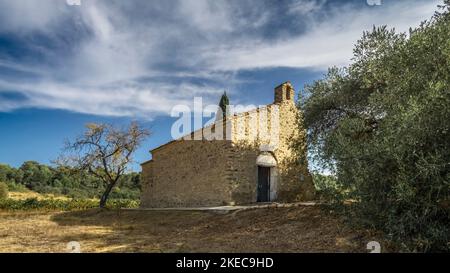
<point>284,92</point>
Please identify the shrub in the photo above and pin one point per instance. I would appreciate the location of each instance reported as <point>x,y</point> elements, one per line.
<point>64,205</point>
<point>16,187</point>
<point>3,190</point>
<point>120,193</point>
<point>65,180</point>
<point>122,203</point>
<point>327,187</point>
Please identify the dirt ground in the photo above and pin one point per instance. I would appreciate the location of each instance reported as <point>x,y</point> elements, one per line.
<point>297,229</point>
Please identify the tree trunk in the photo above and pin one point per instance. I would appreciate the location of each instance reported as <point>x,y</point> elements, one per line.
<point>106,194</point>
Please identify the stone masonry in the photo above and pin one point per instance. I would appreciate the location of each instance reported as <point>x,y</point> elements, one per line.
<point>191,173</point>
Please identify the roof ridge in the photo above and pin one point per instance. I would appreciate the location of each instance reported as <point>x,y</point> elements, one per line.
<point>231,117</point>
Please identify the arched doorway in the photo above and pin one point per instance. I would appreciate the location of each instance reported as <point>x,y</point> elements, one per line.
<point>266,178</point>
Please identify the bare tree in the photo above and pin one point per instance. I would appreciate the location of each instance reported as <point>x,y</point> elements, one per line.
<point>105,152</point>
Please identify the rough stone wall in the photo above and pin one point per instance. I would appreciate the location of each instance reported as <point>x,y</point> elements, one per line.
<point>295,181</point>
<point>187,173</point>
<point>146,181</point>
<point>250,131</point>
<point>220,172</point>
<point>288,140</point>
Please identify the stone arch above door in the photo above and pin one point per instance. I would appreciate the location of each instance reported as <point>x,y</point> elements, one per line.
<point>268,160</point>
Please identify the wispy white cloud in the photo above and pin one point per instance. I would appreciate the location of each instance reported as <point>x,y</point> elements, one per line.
<point>136,58</point>
<point>22,16</point>
<point>305,7</point>
<point>123,100</point>
<point>326,43</point>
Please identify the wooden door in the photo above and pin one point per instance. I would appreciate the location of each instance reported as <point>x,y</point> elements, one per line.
<point>263,184</point>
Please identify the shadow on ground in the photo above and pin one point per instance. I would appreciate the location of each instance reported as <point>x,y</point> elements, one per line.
<point>299,229</point>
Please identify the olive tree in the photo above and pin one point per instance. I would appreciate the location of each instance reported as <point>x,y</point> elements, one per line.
<point>382,124</point>
<point>105,151</point>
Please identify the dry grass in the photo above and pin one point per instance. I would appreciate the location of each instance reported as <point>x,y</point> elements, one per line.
<point>31,194</point>
<point>299,229</point>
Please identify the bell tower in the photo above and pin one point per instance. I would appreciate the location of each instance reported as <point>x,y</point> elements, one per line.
<point>284,92</point>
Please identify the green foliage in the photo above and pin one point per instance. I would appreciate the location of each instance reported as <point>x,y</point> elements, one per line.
<point>63,205</point>
<point>64,180</point>
<point>17,187</point>
<point>327,187</point>
<point>224,102</point>
<point>382,125</point>
<point>3,190</point>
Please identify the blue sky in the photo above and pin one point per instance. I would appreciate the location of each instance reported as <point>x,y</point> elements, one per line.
<point>63,66</point>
